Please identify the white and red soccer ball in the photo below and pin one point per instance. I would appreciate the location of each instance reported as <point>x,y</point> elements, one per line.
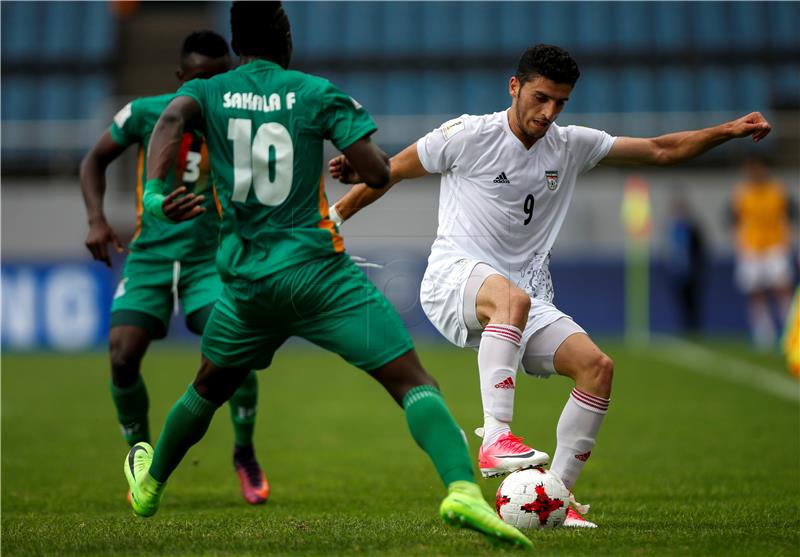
<point>533,498</point>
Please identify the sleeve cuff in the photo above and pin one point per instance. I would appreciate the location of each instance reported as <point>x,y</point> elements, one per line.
<point>423,157</point>
<point>341,146</point>
<point>118,135</point>
<point>153,198</point>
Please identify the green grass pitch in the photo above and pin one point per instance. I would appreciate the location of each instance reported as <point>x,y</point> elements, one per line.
<point>686,464</point>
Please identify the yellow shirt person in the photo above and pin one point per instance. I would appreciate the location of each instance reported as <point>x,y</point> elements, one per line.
<point>762,217</point>
<point>761,209</point>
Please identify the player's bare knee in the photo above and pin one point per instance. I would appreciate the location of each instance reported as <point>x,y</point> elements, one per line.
<point>520,305</point>
<point>218,384</point>
<point>125,358</point>
<point>512,307</point>
<point>600,373</point>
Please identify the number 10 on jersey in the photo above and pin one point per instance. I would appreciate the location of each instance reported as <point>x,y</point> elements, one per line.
<point>264,163</point>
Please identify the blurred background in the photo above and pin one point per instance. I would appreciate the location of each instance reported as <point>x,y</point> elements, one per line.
<point>647,68</point>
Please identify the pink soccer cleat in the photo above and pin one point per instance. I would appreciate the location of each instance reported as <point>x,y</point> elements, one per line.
<point>508,454</point>
<point>575,520</point>
<point>255,487</point>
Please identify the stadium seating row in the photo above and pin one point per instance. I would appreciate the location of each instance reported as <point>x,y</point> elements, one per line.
<point>58,97</point>
<point>63,97</point>
<point>460,27</point>
<point>671,89</point>
<point>57,31</point>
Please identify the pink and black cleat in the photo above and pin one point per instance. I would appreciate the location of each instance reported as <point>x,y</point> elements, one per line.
<point>508,454</point>
<point>255,487</point>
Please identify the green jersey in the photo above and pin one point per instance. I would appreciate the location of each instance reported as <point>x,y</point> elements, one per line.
<point>265,128</point>
<point>192,240</point>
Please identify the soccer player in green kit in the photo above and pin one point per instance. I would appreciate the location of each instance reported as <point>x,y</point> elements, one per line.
<point>167,262</point>
<point>282,259</point>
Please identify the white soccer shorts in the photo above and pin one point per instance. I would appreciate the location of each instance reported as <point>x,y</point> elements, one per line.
<point>448,295</point>
<point>763,271</point>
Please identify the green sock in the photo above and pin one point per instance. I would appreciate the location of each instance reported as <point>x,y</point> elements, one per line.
<point>186,424</point>
<point>436,432</point>
<point>243,410</point>
<point>132,405</point>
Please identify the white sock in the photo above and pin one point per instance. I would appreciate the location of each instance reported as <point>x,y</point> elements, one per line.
<point>576,433</point>
<point>497,366</point>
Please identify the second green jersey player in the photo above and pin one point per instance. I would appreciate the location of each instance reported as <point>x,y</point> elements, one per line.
<point>167,263</point>
<point>282,260</point>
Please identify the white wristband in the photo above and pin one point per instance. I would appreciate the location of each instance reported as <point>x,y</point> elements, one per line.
<point>334,215</point>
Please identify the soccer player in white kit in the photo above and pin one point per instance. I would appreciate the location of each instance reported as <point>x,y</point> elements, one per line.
<point>507,181</point>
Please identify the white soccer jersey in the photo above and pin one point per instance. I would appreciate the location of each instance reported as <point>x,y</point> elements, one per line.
<point>503,204</point>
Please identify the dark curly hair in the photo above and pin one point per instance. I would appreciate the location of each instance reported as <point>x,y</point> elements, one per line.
<point>550,61</point>
<point>261,29</point>
<point>205,42</point>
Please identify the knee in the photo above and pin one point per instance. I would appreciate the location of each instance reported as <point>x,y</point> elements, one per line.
<point>125,358</point>
<point>599,373</point>
<point>218,384</point>
<point>519,304</point>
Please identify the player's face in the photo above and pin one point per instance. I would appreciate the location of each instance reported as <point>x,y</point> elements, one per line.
<point>537,104</point>
<point>198,66</point>
<point>755,171</point>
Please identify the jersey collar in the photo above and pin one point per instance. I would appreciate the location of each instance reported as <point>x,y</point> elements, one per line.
<point>258,65</point>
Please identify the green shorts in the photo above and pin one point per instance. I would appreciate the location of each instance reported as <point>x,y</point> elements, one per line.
<point>327,301</point>
<point>151,286</point>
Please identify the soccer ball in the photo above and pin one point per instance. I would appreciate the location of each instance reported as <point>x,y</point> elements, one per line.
<point>532,498</point>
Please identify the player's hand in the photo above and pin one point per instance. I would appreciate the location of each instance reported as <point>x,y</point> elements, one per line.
<point>754,124</point>
<point>97,240</point>
<point>179,207</point>
<point>341,170</point>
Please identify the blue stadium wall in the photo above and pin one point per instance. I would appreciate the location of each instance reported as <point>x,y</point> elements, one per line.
<point>64,305</point>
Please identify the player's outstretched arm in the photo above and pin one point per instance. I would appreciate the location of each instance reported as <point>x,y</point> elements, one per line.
<point>93,187</point>
<point>403,166</point>
<point>164,146</point>
<point>681,146</point>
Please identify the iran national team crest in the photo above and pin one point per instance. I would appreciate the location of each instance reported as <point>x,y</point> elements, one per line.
<point>552,178</point>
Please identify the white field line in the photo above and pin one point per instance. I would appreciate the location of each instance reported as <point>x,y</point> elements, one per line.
<point>698,359</point>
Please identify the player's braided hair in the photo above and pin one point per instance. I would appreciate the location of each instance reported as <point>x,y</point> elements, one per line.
<point>205,42</point>
<point>549,61</point>
<point>260,29</point>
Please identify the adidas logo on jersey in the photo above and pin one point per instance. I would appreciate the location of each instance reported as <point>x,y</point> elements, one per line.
<point>506,383</point>
<point>502,179</point>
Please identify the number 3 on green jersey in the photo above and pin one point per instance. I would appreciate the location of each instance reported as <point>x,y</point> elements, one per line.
<point>263,163</point>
